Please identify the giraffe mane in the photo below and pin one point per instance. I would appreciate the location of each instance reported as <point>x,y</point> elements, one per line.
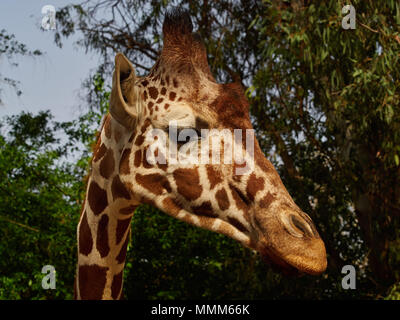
<point>181,46</point>
<point>177,24</point>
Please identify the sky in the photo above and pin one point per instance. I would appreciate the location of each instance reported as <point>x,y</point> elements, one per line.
<point>51,81</point>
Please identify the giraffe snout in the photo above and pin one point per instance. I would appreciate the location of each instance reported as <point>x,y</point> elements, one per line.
<point>289,239</point>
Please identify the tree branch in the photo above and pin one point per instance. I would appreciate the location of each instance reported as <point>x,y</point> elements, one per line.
<point>19,224</point>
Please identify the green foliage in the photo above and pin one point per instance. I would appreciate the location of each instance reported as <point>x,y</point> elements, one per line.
<point>328,98</point>
<point>37,209</point>
<point>394,293</point>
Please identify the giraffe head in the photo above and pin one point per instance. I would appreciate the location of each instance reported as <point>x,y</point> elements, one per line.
<point>180,176</point>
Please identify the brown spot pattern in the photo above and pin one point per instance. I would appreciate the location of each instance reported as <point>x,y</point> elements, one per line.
<point>99,153</point>
<point>138,158</point>
<point>102,236</point>
<point>122,226</point>
<point>222,199</point>
<point>153,182</point>
<point>122,253</point>
<point>267,200</point>
<point>107,127</point>
<point>153,92</point>
<point>140,139</point>
<point>237,224</point>
<point>232,107</point>
<point>214,176</point>
<point>124,163</point>
<point>118,189</point>
<point>85,236</point>
<point>116,285</point>
<point>239,200</point>
<point>254,185</point>
<point>92,280</point>
<point>188,183</point>
<point>172,96</point>
<point>107,164</point>
<point>171,206</point>
<point>205,209</point>
<point>97,198</point>
<point>146,124</point>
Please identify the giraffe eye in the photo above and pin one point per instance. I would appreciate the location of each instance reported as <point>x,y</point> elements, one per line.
<point>182,135</point>
<point>185,135</point>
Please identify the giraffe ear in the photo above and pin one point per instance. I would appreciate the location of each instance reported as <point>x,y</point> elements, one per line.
<point>124,94</point>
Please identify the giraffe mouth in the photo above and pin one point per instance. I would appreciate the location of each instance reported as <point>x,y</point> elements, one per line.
<point>271,259</point>
<point>292,264</point>
<point>293,252</point>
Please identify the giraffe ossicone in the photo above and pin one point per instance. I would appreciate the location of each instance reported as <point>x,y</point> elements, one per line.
<point>254,207</point>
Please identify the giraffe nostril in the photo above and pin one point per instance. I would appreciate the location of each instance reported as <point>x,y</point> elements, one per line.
<point>302,225</point>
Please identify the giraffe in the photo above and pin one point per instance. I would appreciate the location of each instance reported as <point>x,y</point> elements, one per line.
<point>253,208</point>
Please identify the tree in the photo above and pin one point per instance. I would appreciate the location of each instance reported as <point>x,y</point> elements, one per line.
<point>9,48</point>
<point>329,97</point>
<point>37,208</point>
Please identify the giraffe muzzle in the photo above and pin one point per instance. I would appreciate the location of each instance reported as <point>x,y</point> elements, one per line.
<point>290,241</point>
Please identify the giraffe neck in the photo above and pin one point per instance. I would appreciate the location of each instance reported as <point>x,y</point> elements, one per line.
<point>104,226</point>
